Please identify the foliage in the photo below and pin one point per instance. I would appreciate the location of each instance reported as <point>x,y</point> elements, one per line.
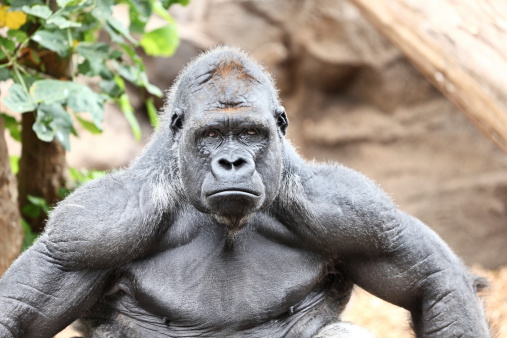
<point>78,177</point>
<point>29,236</point>
<point>39,205</point>
<point>43,35</point>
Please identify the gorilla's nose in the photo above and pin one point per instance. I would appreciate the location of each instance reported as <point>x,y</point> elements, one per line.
<point>232,167</point>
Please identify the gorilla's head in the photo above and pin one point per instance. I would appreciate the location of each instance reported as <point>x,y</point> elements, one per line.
<point>228,125</point>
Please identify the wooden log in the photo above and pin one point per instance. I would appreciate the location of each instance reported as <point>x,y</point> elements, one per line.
<point>460,46</point>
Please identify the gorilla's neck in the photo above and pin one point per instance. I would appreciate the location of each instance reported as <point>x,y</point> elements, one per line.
<point>291,198</point>
<point>233,225</point>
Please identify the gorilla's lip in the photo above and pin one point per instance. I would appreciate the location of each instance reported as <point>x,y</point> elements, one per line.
<point>233,191</point>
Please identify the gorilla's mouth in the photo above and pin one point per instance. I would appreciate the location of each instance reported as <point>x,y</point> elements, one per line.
<point>234,191</point>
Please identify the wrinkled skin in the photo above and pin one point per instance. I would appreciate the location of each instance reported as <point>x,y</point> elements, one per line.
<point>221,229</point>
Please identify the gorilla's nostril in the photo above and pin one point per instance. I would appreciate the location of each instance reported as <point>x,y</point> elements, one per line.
<point>238,163</point>
<point>232,168</point>
<point>225,164</point>
<point>228,165</point>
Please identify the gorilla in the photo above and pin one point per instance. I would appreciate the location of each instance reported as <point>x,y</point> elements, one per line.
<point>220,229</point>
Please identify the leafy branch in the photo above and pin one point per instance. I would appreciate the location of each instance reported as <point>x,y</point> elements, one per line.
<point>43,37</point>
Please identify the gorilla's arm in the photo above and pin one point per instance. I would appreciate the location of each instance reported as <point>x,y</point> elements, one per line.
<point>415,269</point>
<point>39,298</point>
<point>398,258</point>
<point>100,226</point>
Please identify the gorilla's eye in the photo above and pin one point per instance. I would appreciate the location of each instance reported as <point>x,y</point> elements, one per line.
<point>251,131</point>
<point>212,133</point>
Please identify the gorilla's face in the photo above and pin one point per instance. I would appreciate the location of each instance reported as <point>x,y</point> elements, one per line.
<point>231,161</point>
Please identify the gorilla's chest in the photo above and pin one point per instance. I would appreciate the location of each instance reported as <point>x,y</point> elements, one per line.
<point>206,281</point>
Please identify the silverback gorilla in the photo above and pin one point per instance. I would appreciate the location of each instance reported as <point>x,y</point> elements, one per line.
<point>220,229</point>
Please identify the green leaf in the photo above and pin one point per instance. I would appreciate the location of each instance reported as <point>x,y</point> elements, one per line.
<point>120,82</point>
<point>137,22</point>
<point>35,206</point>
<point>168,3</point>
<point>39,202</point>
<point>131,52</point>
<point>29,235</point>
<point>87,125</point>
<point>13,126</point>
<point>89,26</point>
<point>65,3</point>
<point>78,97</point>
<point>14,161</point>
<point>118,27</point>
<point>86,100</point>
<point>96,55</point>
<point>40,11</point>
<point>111,88</point>
<point>8,45</point>
<point>5,74</point>
<point>128,111</point>
<point>143,7</point>
<point>129,73</point>
<point>161,42</point>
<point>27,80</point>
<point>94,50</point>
<point>31,211</point>
<point>140,11</point>
<point>53,40</point>
<point>104,9</point>
<point>18,100</point>
<point>85,68</point>
<point>163,12</point>
<point>44,132</point>
<point>17,34</point>
<point>81,176</point>
<point>63,192</point>
<point>152,89</point>
<point>152,113</point>
<point>113,34</point>
<point>74,173</point>
<point>62,23</point>
<point>18,4</point>
<point>53,121</point>
<point>51,91</point>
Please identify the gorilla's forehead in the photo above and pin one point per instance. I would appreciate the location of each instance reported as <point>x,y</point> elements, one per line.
<point>226,82</point>
<point>227,85</point>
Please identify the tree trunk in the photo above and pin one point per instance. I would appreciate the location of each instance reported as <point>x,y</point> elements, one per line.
<point>460,46</point>
<point>41,170</point>
<point>42,167</point>
<point>11,232</point>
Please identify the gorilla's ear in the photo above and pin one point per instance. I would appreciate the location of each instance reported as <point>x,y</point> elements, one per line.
<point>177,120</point>
<point>281,119</point>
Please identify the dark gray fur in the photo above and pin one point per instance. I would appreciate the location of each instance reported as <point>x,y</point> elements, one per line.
<point>220,229</point>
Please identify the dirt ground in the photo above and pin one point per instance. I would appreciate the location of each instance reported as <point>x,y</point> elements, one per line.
<point>388,321</point>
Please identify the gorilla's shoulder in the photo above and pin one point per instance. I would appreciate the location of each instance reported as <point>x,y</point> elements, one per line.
<point>112,214</point>
<point>337,184</point>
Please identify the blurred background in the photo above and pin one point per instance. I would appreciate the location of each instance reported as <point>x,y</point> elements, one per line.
<point>351,97</point>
